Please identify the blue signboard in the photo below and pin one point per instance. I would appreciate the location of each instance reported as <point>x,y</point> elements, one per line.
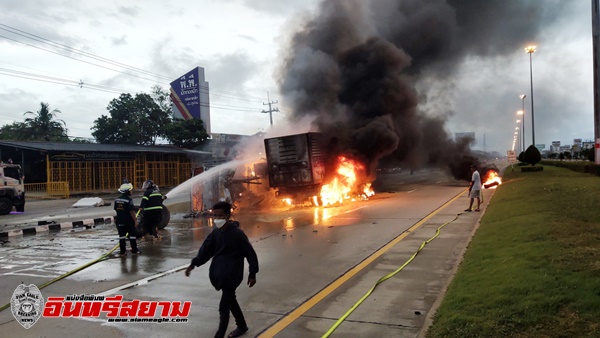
<point>185,93</point>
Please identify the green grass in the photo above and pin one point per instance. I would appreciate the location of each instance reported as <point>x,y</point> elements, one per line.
<point>533,266</point>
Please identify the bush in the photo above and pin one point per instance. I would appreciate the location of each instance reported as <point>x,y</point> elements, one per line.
<point>532,168</point>
<point>580,166</point>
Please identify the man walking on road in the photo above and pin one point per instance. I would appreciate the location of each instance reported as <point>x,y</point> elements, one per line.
<point>227,245</point>
<point>474,189</point>
<point>126,220</point>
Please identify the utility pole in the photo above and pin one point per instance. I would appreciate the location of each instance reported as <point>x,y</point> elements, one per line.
<point>271,109</point>
<point>484,150</point>
<point>596,70</point>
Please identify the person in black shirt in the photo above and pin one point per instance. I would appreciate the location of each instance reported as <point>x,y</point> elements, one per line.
<point>126,220</point>
<point>227,245</point>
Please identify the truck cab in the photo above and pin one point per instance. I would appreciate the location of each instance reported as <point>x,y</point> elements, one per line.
<point>12,188</point>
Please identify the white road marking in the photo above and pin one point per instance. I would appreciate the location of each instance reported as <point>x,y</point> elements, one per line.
<point>142,281</point>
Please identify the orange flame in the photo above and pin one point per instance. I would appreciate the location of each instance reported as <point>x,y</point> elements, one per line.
<point>345,184</point>
<point>492,180</point>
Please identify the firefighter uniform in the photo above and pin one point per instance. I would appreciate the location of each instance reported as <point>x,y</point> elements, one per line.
<point>152,208</point>
<point>124,220</point>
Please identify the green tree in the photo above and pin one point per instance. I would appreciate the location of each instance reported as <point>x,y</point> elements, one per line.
<point>589,154</point>
<point>532,155</point>
<point>186,133</point>
<point>44,126</point>
<point>14,132</point>
<point>132,120</point>
<point>163,99</point>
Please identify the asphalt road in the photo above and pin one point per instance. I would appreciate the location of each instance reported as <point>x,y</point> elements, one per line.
<point>301,251</point>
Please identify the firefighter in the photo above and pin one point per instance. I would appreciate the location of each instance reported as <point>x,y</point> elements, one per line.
<point>151,207</point>
<point>126,220</point>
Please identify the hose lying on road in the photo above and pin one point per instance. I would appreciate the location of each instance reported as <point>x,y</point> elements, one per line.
<point>384,278</point>
<point>103,257</point>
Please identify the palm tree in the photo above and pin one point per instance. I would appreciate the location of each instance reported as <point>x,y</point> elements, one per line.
<point>44,125</point>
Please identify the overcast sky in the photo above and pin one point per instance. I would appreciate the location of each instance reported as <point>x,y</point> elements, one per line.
<point>241,44</point>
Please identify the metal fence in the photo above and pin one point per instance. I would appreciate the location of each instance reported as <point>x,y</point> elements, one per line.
<point>106,176</point>
<point>47,190</point>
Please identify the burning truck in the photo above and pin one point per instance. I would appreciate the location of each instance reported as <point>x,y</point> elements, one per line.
<point>297,170</point>
<point>301,171</point>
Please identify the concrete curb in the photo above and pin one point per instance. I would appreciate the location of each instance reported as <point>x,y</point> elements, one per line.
<point>438,301</point>
<point>46,226</point>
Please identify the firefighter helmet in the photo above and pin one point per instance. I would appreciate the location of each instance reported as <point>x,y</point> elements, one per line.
<point>125,187</point>
<point>147,184</point>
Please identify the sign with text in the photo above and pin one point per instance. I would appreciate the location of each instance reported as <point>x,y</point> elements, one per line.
<point>511,156</point>
<point>185,93</point>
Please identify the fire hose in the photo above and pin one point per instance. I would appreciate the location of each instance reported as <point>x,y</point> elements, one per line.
<point>101,258</point>
<point>386,277</point>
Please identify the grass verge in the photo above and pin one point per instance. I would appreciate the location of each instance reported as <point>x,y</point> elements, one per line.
<point>533,267</point>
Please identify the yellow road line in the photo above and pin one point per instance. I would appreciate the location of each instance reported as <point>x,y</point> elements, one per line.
<point>304,307</point>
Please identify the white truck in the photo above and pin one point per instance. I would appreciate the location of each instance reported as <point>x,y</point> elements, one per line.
<point>12,188</point>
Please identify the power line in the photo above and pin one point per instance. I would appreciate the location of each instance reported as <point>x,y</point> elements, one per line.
<point>108,89</point>
<point>42,40</point>
<point>75,50</point>
<point>62,82</point>
<point>76,59</point>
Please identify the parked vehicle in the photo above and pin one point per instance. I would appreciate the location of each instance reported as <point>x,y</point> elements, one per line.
<point>12,188</point>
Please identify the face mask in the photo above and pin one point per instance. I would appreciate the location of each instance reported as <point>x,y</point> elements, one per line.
<point>219,222</point>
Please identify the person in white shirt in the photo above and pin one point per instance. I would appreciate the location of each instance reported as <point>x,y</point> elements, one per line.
<point>474,189</point>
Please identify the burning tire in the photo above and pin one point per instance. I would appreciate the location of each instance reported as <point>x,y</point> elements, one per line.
<point>164,220</point>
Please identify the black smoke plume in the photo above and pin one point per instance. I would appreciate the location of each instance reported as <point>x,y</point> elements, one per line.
<point>355,65</point>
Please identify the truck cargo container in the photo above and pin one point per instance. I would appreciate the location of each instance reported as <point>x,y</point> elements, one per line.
<point>296,166</point>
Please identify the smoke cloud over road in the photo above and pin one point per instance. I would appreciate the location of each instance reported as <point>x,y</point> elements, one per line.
<point>355,66</point>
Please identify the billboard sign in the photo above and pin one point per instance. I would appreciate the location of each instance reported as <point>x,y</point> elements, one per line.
<point>556,143</point>
<point>185,94</point>
<point>577,141</point>
<point>540,146</point>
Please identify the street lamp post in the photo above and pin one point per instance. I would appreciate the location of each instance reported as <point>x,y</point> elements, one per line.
<point>522,97</point>
<point>531,50</point>
<point>522,112</point>
<point>521,136</point>
<point>517,135</point>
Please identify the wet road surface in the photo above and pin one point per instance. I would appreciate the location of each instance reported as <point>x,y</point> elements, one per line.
<point>300,250</point>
